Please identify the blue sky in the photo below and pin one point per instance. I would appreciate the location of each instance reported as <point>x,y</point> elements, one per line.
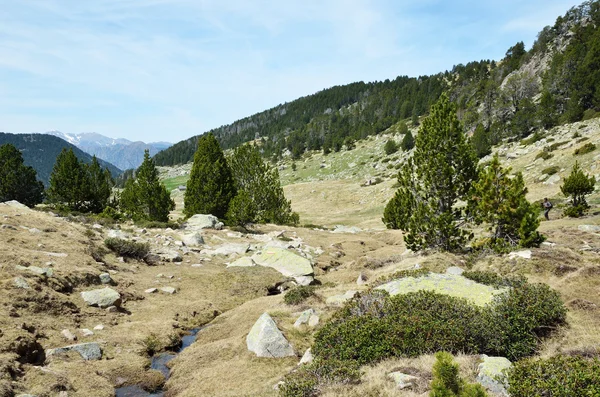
<point>165,70</point>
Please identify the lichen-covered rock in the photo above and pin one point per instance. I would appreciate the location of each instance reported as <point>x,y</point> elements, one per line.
<point>88,351</point>
<point>266,340</point>
<point>102,298</point>
<point>201,221</point>
<point>403,381</point>
<point>308,317</point>
<point>192,239</point>
<point>307,357</point>
<point>285,262</point>
<point>244,261</point>
<point>448,284</point>
<point>491,374</point>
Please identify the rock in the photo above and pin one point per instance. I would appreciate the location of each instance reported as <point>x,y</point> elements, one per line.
<point>285,262</point>
<point>491,374</point>
<point>20,282</point>
<point>151,290</point>
<point>112,309</point>
<point>589,228</point>
<point>97,226</point>
<point>362,279</point>
<point>88,351</point>
<point>193,239</point>
<point>167,255</point>
<point>232,248</point>
<point>99,327</point>
<point>346,229</point>
<point>512,156</point>
<point>403,381</point>
<point>308,317</point>
<point>304,280</point>
<point>552,180</point>
<point>115,233</point>
<point>266,340</point>
<point>105,278</point>
<point>168,290</point>
<point>201,221</point>
<point>16,204</point>
<point>307,357</point>
<point>455,270</point>
<point>41,271</point>
<point>68,335</point>
<point>244,261</point>
<point>339,300</point>
<point>102,298</point>
<point>525,254</point>
<point>86,332</point>
<point>449,284</point>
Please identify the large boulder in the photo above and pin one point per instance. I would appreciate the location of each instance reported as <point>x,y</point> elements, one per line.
<point>16,204</point>
<point>192,239</point>
<point>201,221</point>
<point>88,351</point>
<point>491,374</point>
<point>448,284</point>
<point>287,263</point>
<point>266,340</point>
<point>102,298</point>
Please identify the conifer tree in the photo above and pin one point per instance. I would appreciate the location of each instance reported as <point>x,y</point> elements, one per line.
<point>260,182</point>
<point>69,181</point>
<point>18,181</point>
<point>481,141</point>
<point>577,186</point>
<point>145,198</point>
<point>408,142</point>
<point>100,187</point>
<point>440,172</point>
<point>211,185</point>
<point>499,201</point>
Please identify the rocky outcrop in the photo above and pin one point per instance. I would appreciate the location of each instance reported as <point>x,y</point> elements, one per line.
<point>491,374</point>
<point>403,381</point>
<point>287,263</point>
<point>103,298</point>
<point>88,351</point>
<point>266,340</point>
<point>201,221</point>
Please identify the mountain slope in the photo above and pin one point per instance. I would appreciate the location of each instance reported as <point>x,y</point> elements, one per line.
<point>123,153</point>
<point>40,151</point>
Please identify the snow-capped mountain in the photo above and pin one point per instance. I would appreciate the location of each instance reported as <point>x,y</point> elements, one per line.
<point>123,153</point>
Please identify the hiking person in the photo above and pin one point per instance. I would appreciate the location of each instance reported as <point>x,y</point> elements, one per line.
<point>547,206</point>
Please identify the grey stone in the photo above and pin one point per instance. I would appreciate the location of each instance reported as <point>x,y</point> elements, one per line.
<point>151,290</point>
<point>201,221</point>
<point>99,327</point>
<point>244,261</point>
<point>308,317</point>
<point>192,239</point>
<point>232,248</point>
<point>552,180</point>
<point>403,381</point>
<point>102,298</point>
<point>168,255</point>
<point>285,262</point>
<point>307,357</point>
<point>589,228</point>
<point>116,233</point>
<point>266,340</point>
<point>455,270</point>
<point>86,332</point>
<point>168,290</point>
<point>525,254</point>
<point>16,204</point>
<point>41,271</point>
<point>346,229</point>
<point>112,309</point>
<point>105,278</point>
<point>362,279</point>
<point>20,282</point>
<point>68,335</point>
<point>88,351</point>
<point>304,280</point>
<point>491,374</point>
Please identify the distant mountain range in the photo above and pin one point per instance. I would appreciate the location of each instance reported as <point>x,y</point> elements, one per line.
<point>123,153</point>
<point>40,152</point>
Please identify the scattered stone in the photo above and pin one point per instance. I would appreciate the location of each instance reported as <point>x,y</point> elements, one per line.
<point>201,221</point>
<point>168,290</point>
<point>41,271</point>
<point>86,332</point>
<point>88,351</point>
<point>99,327</point>
<point>525,254</point>
<point>197,265</point>
<point>102,298</point>
<point>56,254</point>
<point>193,239</point>
<point>68,335</point>
<point>455,270</point>
<point>228,249</point>
<point>15,204</point>
<point>552,179</point>
<point>307,357</point>
<point>339,300</point>
<point>491,374</point>
<point>403,381</point>
<point>105,278</point>
<point>115,233</point>
<point>266,340</point>
<point>346,229</point>
<point>244,261</point>
<point>287,263</point>
<point>589,228</point>
<point>20,282</point>
<point>304,280</point>
<point>308,317</point>
<point>362,279</point>
<point>167,255</point>
<point>97,226</point>
<point>112,309</point>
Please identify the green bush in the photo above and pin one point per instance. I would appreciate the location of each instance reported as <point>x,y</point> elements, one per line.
<point>544,155</point>
<point>556,145</point>
<point>494,279</point>
<point>587,148</point>
<point>127,249</point>
<point>551,170</point>
<point>305,381</point>
<point>374,264</point>
<point>447,383</point>
<point>297,295</point>
<point>390,147</point>
<point>559,376</point>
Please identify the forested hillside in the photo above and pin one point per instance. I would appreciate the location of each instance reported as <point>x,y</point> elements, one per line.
<point>40,151</point>
<point>555,82</point>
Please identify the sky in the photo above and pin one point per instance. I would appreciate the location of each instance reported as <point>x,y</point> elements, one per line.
<point>166,70</point>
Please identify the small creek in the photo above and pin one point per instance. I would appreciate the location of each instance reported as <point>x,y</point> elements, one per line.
<point>159,363</point>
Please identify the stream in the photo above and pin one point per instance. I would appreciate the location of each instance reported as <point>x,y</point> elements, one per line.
<point>159,363</point>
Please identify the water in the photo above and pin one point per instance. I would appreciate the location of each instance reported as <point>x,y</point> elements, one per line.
<point>159,363</point>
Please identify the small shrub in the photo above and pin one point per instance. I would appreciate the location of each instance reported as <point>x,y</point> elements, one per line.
<point>447,383</point>
<point>544,155</point>
<point>305,381</point>
<point>126,248</point>
<point>587,148</point>
<point>157,224</point>
<point>585,138</point>
<point>97,253</point>
<point>556,145</point>
<point>390,147</point>
<point>402,274</point>
<point>551,170</point>
<point>559,376</point>
<point>495,280</point>
<point>532,139</point>
<point>151,344</point>
<point>297,295</point>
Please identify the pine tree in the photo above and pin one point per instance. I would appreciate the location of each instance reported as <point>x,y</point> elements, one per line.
<point>18,181</point>
<point>100,188</point>
<point>408,142</point>
<point>145,198</point>
<point>440,173</point>
<point>481,141</point>
<point>211,185</point>
<point>390,147</point>
<point>261,184</point>
<point>69,181</point>
<point>499,201</point>
<point>577,186</point>
<point>447,382</point>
